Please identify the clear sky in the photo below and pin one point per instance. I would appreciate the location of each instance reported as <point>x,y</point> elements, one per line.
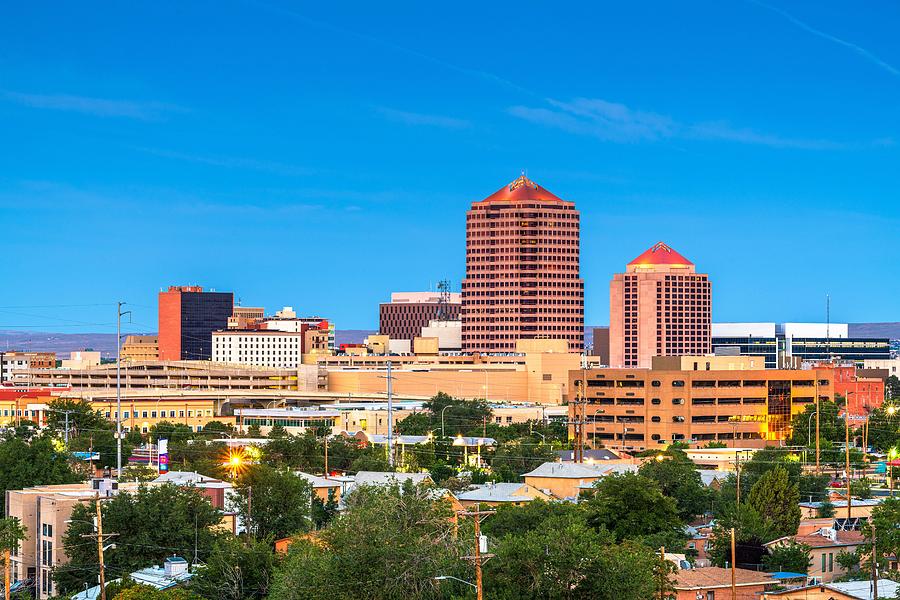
<point>321,155</point>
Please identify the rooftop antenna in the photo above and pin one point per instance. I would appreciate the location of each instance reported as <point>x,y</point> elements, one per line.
<point>828,325</point>
<point>443,312</point>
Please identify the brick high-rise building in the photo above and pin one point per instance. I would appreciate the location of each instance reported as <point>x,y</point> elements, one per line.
<point>187,318</point>
<point>408,312</point>
<point>522,270</point>
<point>659,307</point>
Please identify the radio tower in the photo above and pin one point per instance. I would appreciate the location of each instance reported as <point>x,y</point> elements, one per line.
<point>443,313</point>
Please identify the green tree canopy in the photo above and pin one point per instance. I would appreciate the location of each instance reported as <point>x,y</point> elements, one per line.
<point>633,507</point>
<point>236,569</point>
<point>678,478</point>
<point>29,463</point>
<point>274,502</point>
<point>388,544</point>
<point>791,557</point>
<point>565,558</point>
<point>151,524</point>
<point>774,496</point>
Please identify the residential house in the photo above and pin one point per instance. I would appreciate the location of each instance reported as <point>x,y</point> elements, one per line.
<point>173,573</point>
<point>847,590</point>
<point>825,545</point>
<point>714,583</point>
<point>564,481</point>
<point>496,494</point>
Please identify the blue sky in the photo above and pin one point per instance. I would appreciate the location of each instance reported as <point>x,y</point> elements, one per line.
<point>322,155</point>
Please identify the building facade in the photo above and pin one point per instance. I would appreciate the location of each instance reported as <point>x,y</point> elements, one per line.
<point>522,270</point>
<point>10,362</point>
<point>262,347</point>
<point>640,409</point>
<point>404,317</point>
<point>660,306</point>
<point>140,348</point>
<point>187,318</point>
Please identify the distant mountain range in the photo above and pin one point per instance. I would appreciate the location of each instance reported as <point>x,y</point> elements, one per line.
<point>105,343</point>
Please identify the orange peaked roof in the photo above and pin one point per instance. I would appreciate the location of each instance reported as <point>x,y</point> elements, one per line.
<point>522,189</point>
<point>660,254</point>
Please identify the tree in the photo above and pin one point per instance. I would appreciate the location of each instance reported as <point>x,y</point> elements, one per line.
<point>861,488</point>
<point>461,416</point>
<point>774,496</point>
<point>324,511</point>
<point>892,387</point>
<point>514,458</point>
<point>884,427</point>
<point>885,518</point>
<point>418,423</point>
<point>515,520</point>
<point>11,534</point>
<point>151,524</point>
<point>236,569</point>
<point>565,558</point>
<point>38,462</point>
<point>678,478</point>
<point>826,508</point>
<point>752,530</point>
<point>632,507</point>
<point>147,592</point>
<point>791,557</point>
<point>389,543</point>
<point>281,503</point>
<point>89,430</point>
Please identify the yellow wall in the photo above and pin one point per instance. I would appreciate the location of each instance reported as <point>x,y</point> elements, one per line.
<point>192,413</point>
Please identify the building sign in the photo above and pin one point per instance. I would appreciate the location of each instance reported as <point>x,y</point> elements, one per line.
<point>163,448</point>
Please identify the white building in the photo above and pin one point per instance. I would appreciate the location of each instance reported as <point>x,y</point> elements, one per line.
<point>448,333</point>
<point>263,347</point>
<point>286,319</point>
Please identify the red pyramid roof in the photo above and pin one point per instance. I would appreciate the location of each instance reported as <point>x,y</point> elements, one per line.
<point>522,189</point>
<point>660,254</point>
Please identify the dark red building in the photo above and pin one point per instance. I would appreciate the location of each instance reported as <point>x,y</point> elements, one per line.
<point>187,318</point>
<point>522,270</point>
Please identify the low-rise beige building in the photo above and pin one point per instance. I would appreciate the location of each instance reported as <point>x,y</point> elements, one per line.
<point>138,348</point>
<point>825,546</point>
<point>565,481</point>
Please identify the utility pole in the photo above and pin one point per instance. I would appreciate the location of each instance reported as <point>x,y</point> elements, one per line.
<point>737,466</point>
<point>733,577</point>
<point>119,315</point>
<point>390,415</point>
<point>98,533</point>
<point>326,456</point>
<point>480,556</point>
<point>874,565</point>
<point>818,467</point>
<point>847,452</point>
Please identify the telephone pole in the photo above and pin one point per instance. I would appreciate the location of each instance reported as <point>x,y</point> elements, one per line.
<point>874,565</point>
<point>480,556</point>
<point>119,315</point>
<point>733,574</point>
<point>847,452</point>
<point>390,416</point>
<point>98,533</point>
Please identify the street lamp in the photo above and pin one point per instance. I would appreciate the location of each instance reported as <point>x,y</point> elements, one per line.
<point>442,419</point>
<point>443,577</point>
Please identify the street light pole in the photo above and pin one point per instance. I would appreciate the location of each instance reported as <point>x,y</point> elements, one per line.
<point>442,419</point>
<point>119,315</point>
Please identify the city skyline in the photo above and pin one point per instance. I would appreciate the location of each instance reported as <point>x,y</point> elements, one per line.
<point>322,138</point>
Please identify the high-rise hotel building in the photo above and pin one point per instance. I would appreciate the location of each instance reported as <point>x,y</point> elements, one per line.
<point>522,270</point>
<point>660,306</point>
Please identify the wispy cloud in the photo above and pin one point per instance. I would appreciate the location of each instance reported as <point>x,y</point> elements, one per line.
<point>414,118</point>
<point>232,162</point>
<point>827,36</point>
<point>614,122</point>
<point>100,107</point>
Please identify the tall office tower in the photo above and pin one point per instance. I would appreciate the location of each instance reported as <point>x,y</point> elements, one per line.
<point>522,270</point>
<point>187,318</point>
<point>660,306</point>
